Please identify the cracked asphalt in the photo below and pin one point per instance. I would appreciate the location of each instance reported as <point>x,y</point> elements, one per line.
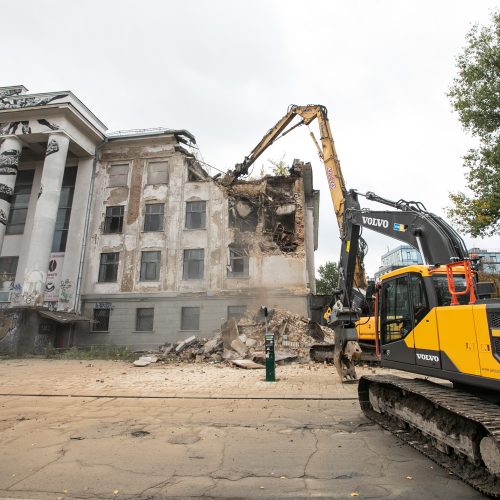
<point>175,439</point>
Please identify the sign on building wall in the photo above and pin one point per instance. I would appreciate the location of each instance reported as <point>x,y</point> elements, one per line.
<point>54,277</point>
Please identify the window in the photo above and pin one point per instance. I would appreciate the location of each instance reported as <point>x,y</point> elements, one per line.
<point>108,268</point>
<point>396,318</point>
<point>193,264</point>
<point>118,175</point>
<point>153,219</point>
<point>113,222</point>
<point>144,319</point>
<point>64,211</point>
<point>150,266</point>
<point>196,214</point>
<point>418,298</point>
<point>190,318</point>
<point>443,294</point>
<point>238,262</point>
<point>20,202</point>
<point>236,312</point>
<point>8,269</point>
<point>101,320</point>
<point>158,172</point>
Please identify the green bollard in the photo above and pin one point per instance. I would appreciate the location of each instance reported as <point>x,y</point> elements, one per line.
<point>269,349</point>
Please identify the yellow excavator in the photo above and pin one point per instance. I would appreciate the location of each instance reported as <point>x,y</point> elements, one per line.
<point>427,321</point>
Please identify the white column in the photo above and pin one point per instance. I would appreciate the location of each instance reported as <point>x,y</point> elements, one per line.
<point>44,222</point>
<point>10,152</point>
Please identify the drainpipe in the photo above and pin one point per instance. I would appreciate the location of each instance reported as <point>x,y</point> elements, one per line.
<point>86,228</point>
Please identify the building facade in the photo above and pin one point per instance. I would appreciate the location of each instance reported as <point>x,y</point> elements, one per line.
<point>489,262</point>
<point>403,255</point>
<point>123,238</point>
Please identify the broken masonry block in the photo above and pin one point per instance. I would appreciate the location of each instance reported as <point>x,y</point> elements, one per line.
<point>238,346</point>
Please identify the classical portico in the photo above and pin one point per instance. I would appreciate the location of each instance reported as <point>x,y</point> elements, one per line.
<point>44,139</point>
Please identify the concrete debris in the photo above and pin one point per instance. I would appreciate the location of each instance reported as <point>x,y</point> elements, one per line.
<point>145,360</point>
<point>247,363</point>
<point>243,340</point>
<point>238,346</point>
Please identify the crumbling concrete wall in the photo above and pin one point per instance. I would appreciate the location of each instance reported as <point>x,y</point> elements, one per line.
<point>265,218</point>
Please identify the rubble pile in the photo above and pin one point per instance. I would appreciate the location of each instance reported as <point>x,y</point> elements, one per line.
<point>243,339</point>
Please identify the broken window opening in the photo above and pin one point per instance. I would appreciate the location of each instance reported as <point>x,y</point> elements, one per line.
<point>113,222</point>
<point>238,262</point>
<point>243,215</point>
<point>282,214</point>
<point>284,239</point>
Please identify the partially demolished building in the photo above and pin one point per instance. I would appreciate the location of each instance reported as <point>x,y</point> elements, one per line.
<point>155,248</point>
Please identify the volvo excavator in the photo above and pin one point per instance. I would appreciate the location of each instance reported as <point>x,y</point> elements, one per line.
<point>428,321</point>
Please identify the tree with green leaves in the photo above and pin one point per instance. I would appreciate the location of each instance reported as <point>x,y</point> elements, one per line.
<point>279,166</point>
<point>328,278</point>
<point>475,95</point>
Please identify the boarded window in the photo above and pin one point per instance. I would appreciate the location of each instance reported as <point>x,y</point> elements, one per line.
<point>113,222</point>
<point>144,319</point>
<point>158,172</point>
<point>193,264</point>
<point>101,320</point>
<point>20,201</point>
<point>153,219</point>
<point>236,312</point>
<point>150,266</point>
<point>118,175</point>
<point>196,214</point>
<point>190,318</point>
<point>238,262</point>
<point>108,268</point>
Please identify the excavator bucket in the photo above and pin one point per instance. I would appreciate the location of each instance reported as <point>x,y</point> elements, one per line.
<point>343,359</point>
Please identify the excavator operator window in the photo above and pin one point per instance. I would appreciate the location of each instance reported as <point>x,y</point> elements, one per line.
<point>443,293</point>
<point>396,320</point>
<point>418,298</point>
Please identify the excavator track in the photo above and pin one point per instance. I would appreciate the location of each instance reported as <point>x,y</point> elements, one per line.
<point>455,429</point>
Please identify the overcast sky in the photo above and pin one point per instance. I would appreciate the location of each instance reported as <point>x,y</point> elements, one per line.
<point>227,71</point>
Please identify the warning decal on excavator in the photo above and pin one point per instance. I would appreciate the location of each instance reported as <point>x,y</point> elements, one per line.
<point>400,227</point>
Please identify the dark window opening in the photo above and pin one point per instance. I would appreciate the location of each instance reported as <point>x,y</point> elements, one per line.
<point>190,318</point>
<point>100,321</point>
<point>418,298</point>
<point>64,211</point>
<point>20,201</point>
<point>193,264</point>
<point>238,262</point>
<point>153,218</point>
<point>196,214</point>
<point>144,319</point>
<point>108,268</point>
<point>113,222</point>
<point>150,266</point>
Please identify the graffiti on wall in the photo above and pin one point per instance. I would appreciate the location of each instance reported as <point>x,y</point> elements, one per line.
<point>9,161</point>
<point>66,288</point>
<point>10,92</point>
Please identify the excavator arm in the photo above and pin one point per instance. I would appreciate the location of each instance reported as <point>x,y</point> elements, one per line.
<point>326,151</point>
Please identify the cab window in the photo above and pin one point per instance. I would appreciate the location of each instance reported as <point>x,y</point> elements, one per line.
<point>443,293</point>
<point>396,318</point>
<point>418,298</point>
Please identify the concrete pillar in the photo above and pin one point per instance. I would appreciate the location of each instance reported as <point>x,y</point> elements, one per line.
<point>10,152</point>
<point>44,222</point>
